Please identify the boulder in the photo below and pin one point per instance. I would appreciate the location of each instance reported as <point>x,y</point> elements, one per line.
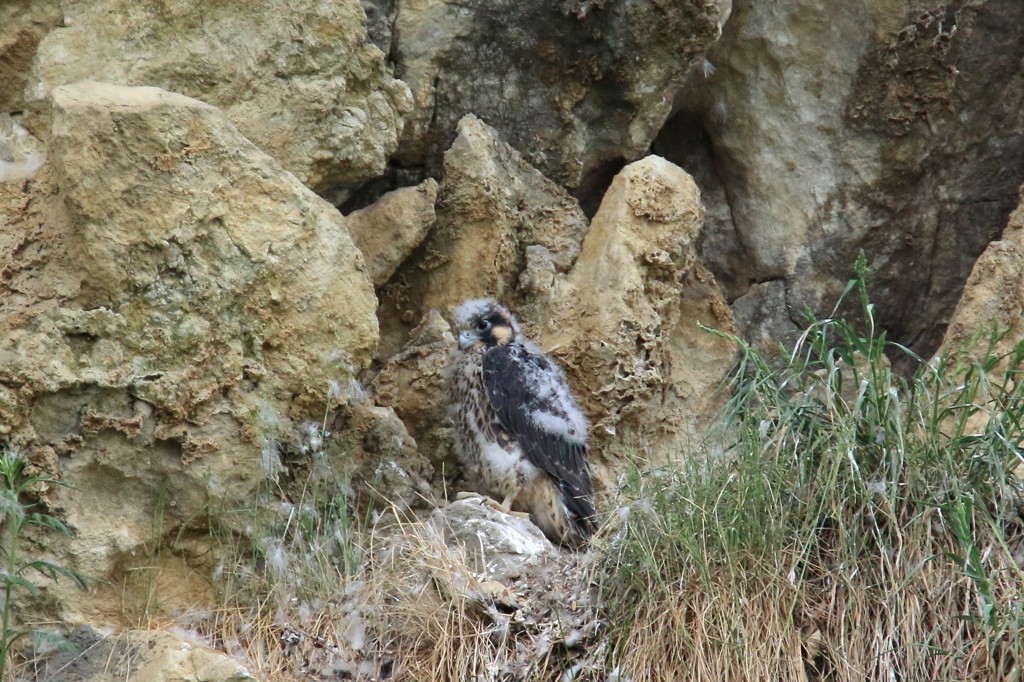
<point>502,230</point>
<point>625,322</point>
<point>23,23</point>
<point>141,656</point>
<point>498,546</point>
<point>298,78</point>
<point>412,383</point>
<point>388,230</point>
<point>176,304</point>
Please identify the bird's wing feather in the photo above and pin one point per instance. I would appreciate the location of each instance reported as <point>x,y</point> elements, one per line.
<point>532,400</point>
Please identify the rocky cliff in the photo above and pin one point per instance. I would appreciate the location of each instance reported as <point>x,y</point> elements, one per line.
<point>232,233</point>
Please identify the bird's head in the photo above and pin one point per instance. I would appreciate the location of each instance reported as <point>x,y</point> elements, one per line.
<point>483,322</point>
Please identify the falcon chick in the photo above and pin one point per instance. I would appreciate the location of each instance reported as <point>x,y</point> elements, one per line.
<point>518,432</point>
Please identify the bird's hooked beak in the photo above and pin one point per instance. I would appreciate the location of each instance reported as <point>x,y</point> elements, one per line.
<point>468,338</point>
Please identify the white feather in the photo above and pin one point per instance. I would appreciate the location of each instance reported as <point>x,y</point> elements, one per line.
<point>467,314</point>
<point>473,309</point>
<point>551,387</point>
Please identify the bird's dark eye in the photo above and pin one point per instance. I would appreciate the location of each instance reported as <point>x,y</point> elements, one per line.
<point>483,325</point>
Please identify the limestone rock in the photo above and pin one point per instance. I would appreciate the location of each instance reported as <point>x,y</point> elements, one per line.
<point>499,546</point>
<point>21,154</point>
<point>831,127</point>
<point>385,464</point>
<point>412,383</point>
<point>23,23</point>
<point>994,293</point>
<point>142,656</point>
<point>298,78</point>
<point>176,302</point>
<point>573,86</point>
<point>624,323</point>
<point>497,218</point>
<point>388,230</point>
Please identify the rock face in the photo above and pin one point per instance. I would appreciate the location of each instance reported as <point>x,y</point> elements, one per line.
<point>618,305</point>
<point>181,317</point>
<point>832,127</point>
<point>23,23</point>
<point>175,302</point>
<point>502,230</point>
<point>298,78</point>
<point>412,383</point>
<point>994,293</point>
<point>573,86</point>
<point>624,323</point>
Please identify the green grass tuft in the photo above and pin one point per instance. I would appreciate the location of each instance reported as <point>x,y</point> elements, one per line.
<point>855,525</point>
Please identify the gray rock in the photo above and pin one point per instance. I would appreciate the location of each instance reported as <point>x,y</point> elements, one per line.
<point>572,85</point>
<point>834,127</point>
<point>500,546</point>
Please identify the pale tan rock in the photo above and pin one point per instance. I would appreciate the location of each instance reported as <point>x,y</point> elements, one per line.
<point>143,656</point>
<point>388,230</point>
<point>412,383</point>
<point>23,23</point>
<point>176,302</point>
<point>385,464</point>
<point>298,78</point>
<point>993,300</point>
<point>994,294</point>
<point>625,322</point>
<point>502,230</point>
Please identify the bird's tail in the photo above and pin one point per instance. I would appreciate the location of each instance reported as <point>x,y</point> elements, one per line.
<point>581,515</point>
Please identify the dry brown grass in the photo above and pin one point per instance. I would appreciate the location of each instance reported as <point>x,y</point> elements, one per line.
<point>856,526</point>
<point>904,621</point>
<point>436,615</point>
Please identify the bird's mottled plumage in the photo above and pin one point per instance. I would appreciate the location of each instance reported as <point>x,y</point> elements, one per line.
<point>518,432</point>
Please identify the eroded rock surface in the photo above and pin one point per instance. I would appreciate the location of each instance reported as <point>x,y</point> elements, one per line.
<point>573,86</point>
<point>994,294</point>
<point>175,301</point>
<point>625,322</point>
<point>387,231</point>
<point>894,127</point>
<point>23,23</point>
<point>141,656</point>
<point>297,78</point>
<point>412,383</point>
<point>503,229</point>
